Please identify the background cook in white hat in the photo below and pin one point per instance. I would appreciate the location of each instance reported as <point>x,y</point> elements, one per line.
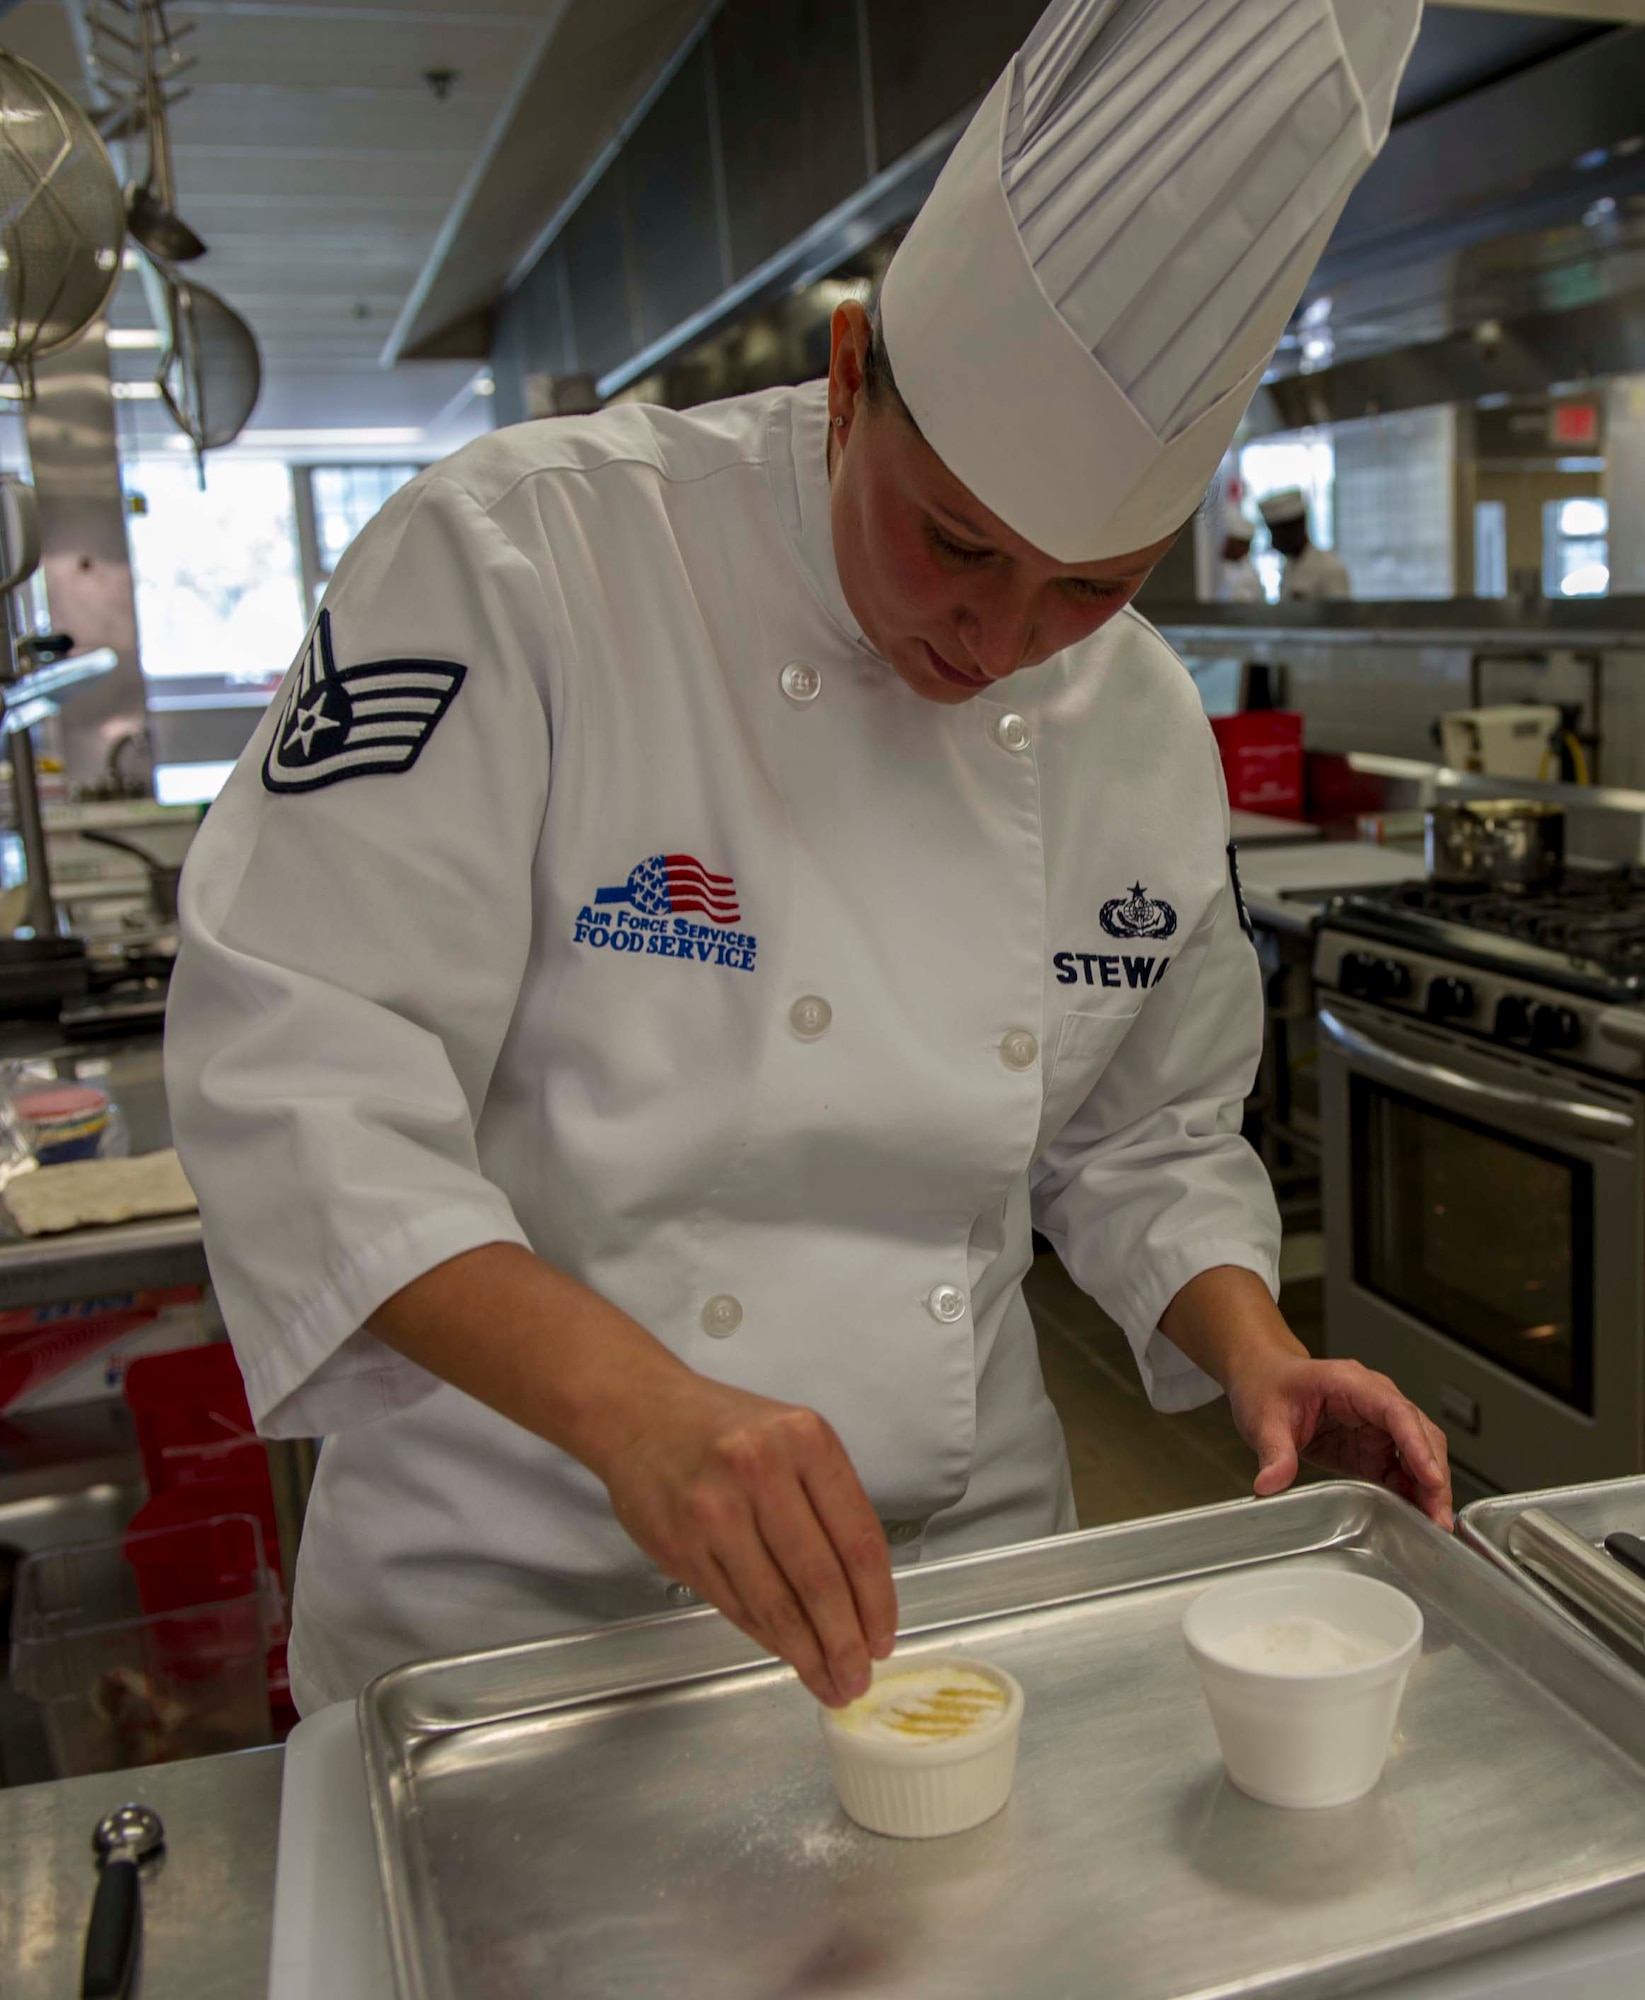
<point>713,880</point>
<point>1309,573</point>
<point>1239,582</point>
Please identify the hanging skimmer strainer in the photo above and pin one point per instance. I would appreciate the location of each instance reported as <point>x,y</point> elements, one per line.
<point>211,372</point>
<point>62,219</point>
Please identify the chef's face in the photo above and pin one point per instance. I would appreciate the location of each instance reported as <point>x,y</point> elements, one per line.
<point>943,589</point>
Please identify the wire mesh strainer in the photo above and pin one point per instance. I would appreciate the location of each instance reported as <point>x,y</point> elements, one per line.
<point>211,372</point>
<point>62,218</point>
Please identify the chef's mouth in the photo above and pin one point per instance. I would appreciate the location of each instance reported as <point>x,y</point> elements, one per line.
<point>955,676</point>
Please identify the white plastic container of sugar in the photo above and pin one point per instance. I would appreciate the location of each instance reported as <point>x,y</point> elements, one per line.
<point>1303,1672</point>
<point>917,1785</point>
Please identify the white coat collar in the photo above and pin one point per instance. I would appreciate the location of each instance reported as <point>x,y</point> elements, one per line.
<point>797,464</point>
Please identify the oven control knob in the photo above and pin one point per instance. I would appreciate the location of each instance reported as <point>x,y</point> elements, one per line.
<point>1355,972</point>
<point>1554,1028</point>
<point>1374,978</point>
<point>1393,980</point>
<point>1513,1019</point>
<point>1450,999</point>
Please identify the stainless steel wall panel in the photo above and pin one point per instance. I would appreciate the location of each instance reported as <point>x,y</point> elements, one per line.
<point>596,255</point>
<point>87,563</point>
<point>1625,484</point>
<point>932,59</point>
<point>791,118</point>
<point>510,362</point>
<point>670,177</point>
<point>546,344</point>
<point>1483,158</point>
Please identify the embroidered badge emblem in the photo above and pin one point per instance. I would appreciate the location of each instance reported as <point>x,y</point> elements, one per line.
<point>1138,915</point>
<point>672,884</point>
<point>354,722</point>
<point>654,913</point>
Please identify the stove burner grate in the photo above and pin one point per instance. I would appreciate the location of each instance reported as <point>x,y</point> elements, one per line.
<point>1594,914</point>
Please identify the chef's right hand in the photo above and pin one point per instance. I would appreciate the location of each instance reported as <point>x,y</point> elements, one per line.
<point>755,1505</point>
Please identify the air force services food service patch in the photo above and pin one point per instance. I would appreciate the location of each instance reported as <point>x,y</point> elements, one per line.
<point>357,721</point>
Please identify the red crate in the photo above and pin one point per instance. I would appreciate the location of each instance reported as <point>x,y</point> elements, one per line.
<point>1262,760</point>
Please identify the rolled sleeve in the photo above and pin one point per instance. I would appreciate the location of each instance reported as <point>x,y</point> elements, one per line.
<point>351,960</point>
<point>1150,1184</point>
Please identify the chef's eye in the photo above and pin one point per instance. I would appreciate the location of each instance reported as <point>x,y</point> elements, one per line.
<point>952,551</point>
<point>1092,591</point>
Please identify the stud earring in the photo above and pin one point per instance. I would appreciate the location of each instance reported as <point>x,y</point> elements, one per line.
<point>839,423</point>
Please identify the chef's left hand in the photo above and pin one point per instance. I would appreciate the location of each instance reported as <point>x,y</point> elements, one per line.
<point>1287,1406</point>
<point>1344,1418</point>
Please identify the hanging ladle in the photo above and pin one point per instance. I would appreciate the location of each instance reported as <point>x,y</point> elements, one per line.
<point>150,213</point>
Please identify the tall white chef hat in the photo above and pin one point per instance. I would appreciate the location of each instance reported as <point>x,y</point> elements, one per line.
<point>1290,503</point>
<point>1089,297</point>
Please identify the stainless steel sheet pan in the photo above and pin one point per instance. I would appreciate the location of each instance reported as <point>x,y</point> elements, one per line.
<point>646,1810</point>
<point>1586,1586</point>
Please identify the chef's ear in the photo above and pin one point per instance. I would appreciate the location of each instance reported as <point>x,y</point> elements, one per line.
<point>851,339</point>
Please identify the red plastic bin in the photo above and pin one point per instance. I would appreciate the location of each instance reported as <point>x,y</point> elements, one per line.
<point>1262,760</point>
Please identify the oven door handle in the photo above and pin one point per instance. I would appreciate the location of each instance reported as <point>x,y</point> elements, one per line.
<point>1470,1093</point>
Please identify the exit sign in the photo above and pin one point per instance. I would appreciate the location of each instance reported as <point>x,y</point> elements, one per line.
<point>1574,424</point>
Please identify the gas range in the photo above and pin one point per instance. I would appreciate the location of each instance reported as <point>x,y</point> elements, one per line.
<point>1559,973</point>
<point>1481,1067</point>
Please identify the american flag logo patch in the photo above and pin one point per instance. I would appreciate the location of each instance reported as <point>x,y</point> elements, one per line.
<point>354,722</point>
<point>671,906</point>
<point>674,885</point>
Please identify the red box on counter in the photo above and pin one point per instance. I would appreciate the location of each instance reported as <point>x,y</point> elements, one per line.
<point>1262,760</point>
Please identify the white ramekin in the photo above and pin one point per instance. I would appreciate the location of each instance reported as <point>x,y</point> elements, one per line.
<point>1316,1739</point>
<point>918,1790</point>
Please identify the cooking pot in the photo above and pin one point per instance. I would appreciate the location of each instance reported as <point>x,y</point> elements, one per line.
<point>1513,844</point>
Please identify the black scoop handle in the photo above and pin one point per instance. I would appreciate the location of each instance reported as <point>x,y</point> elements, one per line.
<point>1629,1550</point>
<point>116,1925</point>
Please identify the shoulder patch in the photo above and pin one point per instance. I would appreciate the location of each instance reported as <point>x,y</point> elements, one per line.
<point>357,721</point>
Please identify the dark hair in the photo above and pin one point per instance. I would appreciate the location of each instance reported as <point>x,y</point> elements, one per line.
<point>878,379</point>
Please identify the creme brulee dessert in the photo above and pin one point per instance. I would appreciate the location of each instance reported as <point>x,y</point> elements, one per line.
<point>925,1705</point>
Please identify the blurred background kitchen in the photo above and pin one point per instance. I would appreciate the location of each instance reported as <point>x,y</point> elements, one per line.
<point>262,262</point>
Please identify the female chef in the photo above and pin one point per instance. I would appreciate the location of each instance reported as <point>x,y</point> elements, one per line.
<point>712,881</point>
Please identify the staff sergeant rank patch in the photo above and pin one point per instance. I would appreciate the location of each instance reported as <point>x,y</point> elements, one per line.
<point>358,721</point>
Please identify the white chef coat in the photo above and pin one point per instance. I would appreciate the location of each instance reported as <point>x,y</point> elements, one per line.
<point>1240,583</point>
<point>430,997</point>
<point>1315,574</point>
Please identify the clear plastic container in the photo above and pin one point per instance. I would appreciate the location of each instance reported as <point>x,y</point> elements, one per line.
<point>149,1647</point>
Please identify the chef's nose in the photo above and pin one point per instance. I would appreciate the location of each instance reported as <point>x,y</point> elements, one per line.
<point>999,636</point>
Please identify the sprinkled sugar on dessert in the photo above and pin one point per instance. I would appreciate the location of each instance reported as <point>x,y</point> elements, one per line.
<point>926,1705</point>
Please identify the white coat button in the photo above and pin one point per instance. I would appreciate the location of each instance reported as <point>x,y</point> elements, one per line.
<point>1019,1050</point>
<point>809,1016</point>
<point>1011,733</point>
<point>900,1533</point>
<point>681,1593</point>
<point>801,682</point>
<point>722,1316</point>
<point>947,1303</point>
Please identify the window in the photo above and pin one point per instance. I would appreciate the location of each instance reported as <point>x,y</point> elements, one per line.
<point>1490,548</point>
<point>1576,548</point>
<point>215,572</point>
<point>334,503</point>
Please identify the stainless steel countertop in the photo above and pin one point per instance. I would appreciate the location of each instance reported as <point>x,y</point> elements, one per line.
<point>207,1910</point>
<point>126,1256</point>
<point>1600,624</point>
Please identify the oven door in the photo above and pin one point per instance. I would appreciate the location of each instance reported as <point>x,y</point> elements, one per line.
<point>1484,1215</point>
